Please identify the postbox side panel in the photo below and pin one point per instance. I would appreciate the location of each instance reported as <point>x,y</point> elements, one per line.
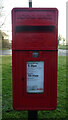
<point>21,99</point>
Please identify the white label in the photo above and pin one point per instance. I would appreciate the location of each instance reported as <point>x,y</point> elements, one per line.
<point>35,76</point>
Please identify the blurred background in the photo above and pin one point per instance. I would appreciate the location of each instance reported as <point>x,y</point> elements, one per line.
<point>6,19</point>
<point>6,61</point>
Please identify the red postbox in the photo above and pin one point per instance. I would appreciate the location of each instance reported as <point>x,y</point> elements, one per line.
<point>34,58</point>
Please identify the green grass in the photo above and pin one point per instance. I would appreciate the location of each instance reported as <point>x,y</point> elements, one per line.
<point>63,47</point>
<point>5,48</point>
<point>7,110</point>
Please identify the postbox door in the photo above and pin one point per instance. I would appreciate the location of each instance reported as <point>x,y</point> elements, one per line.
<point>25,98</point>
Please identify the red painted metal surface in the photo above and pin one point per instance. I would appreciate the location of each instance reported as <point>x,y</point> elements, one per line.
<point>34,29</point>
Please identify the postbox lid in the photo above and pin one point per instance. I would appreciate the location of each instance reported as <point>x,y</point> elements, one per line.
<point>34,28</point>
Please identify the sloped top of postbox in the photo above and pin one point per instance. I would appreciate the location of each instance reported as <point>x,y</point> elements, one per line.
<point>34,29</point>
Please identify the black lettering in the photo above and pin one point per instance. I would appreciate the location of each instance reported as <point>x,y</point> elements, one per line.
<point>29,75</point>
<point>33,65</point>
<point>28,65</point>
<point>35,75</point>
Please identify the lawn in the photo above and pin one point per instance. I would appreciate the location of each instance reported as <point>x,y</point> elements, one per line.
<point>7,110</point>
<point>65,47</point>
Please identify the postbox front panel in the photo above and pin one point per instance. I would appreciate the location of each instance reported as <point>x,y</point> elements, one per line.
<point>34,58</point>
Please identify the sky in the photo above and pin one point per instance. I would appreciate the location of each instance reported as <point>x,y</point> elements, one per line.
<point>10,4</point>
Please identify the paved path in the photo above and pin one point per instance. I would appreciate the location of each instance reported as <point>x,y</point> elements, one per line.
<point>62,52</point>
<point>9,52</point>
<point>6,52</point>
